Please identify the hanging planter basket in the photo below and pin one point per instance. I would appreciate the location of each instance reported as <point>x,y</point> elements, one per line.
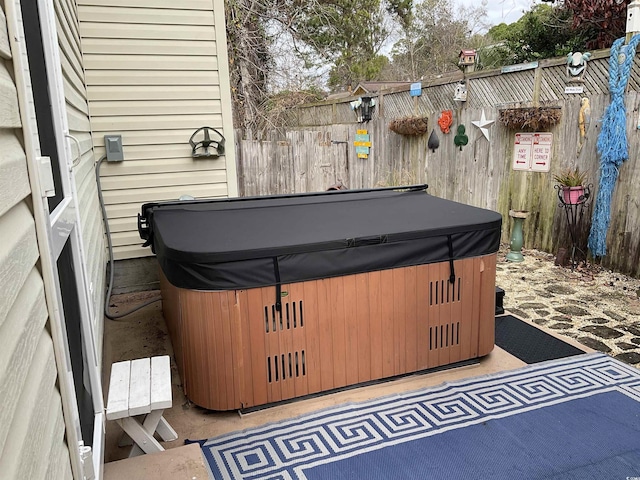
<point>409,125</point>
<point>531,118</point>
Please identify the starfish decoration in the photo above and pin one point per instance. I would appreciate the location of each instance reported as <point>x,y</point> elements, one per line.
<point>483,124</point>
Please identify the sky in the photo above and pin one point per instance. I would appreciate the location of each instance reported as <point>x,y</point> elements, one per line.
<point>499,11</point>
<point>507,11</point>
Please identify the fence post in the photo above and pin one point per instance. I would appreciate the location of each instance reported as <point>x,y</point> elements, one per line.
<point>537,84</point>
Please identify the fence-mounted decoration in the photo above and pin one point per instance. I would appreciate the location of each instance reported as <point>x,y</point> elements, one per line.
<point>483,124</point>
<point>409,125</point>
<point>434,141</point>
<point>576,66</point>
<point>460,139</point>
<point>584,118</point>
<point>363,108</point>
<point>613,145</point>
<point>530,118</point>
<point>362,143</point>
<point>532,151</point>
<point>573,89</point>
<point>210,146</point>
<point>519,67</point>
<point>445,121</point>
<point>460,93</point>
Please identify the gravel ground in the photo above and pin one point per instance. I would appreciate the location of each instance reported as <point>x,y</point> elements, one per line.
<point>597,307</point>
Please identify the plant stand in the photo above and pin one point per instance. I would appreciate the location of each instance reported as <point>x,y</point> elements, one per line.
<point>515,255</point>
<point>573,213</point>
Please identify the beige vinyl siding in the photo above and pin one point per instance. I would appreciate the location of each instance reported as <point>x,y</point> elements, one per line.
<point>155,72</point>
<point>77,110</point>
<point>32,433</point>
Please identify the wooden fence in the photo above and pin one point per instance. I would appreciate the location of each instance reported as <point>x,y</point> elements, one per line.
<point>316,150</point>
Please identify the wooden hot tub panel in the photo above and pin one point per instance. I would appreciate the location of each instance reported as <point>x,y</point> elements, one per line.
<point>235,350</point>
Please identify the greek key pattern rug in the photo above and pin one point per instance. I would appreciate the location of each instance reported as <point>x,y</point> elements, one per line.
<point>294,448</point>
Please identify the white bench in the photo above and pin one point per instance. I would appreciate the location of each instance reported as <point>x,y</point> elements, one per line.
<point>139,391</point>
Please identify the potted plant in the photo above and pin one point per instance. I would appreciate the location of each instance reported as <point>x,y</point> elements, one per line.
<point>571,182</point>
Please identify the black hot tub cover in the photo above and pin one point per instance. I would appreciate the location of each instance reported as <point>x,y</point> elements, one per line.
<point>252,242</point>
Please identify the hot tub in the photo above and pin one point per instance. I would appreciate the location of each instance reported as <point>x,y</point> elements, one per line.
<point>272,298</point>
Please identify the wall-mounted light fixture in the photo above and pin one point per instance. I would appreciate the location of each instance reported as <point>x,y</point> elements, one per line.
<point>363,108</point>
<point>367,109</point>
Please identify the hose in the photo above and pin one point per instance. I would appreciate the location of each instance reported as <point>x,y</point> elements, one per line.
<point>105,220</point>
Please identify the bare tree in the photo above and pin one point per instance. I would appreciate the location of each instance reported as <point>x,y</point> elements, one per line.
<point>249,61</point>
<point>343,35</point>
<point>431,41</point>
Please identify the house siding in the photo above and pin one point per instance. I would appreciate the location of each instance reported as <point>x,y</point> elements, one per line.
<point>77,110</point>
<point>32,434</point>
<point>156,70</point>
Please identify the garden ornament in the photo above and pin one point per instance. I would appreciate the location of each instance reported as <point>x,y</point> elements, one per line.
<point>584,120</point>
<point>446,120</point>
<point>434,141</point>
<point>483,124</point>
<point>577,65</point>
<point>460,139</point>
<point>584,117</point>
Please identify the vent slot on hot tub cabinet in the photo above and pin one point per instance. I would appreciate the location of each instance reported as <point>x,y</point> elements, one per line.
<point>289,316</point>
<point>286,366</point>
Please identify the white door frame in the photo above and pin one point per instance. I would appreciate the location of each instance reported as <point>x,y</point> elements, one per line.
<point>54,229</point>
<point>69,221</point>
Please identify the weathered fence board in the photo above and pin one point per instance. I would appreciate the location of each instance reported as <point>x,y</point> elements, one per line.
<point>317,150</point>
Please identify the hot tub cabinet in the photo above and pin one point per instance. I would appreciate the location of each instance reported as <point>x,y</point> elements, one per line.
<point>268,299</point>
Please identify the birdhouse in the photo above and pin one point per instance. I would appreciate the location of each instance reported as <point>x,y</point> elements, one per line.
<point>467,57</point>
<point>460,92</point>
<point>633,18</point>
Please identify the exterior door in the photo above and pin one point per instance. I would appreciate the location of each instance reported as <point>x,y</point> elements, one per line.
<point>64,235</point>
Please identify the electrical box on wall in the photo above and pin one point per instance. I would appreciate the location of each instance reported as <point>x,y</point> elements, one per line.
<point>113,148</point>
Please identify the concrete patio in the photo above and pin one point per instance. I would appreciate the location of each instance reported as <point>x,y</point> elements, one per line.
<point>144,334</point>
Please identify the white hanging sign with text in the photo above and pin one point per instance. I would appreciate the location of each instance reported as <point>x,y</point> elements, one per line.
<point>574,89</point>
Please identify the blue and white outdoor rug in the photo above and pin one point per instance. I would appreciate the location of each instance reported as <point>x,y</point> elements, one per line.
<point>576,418</point>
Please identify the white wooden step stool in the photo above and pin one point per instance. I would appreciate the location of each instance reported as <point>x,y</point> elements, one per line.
<point>139,391</point>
